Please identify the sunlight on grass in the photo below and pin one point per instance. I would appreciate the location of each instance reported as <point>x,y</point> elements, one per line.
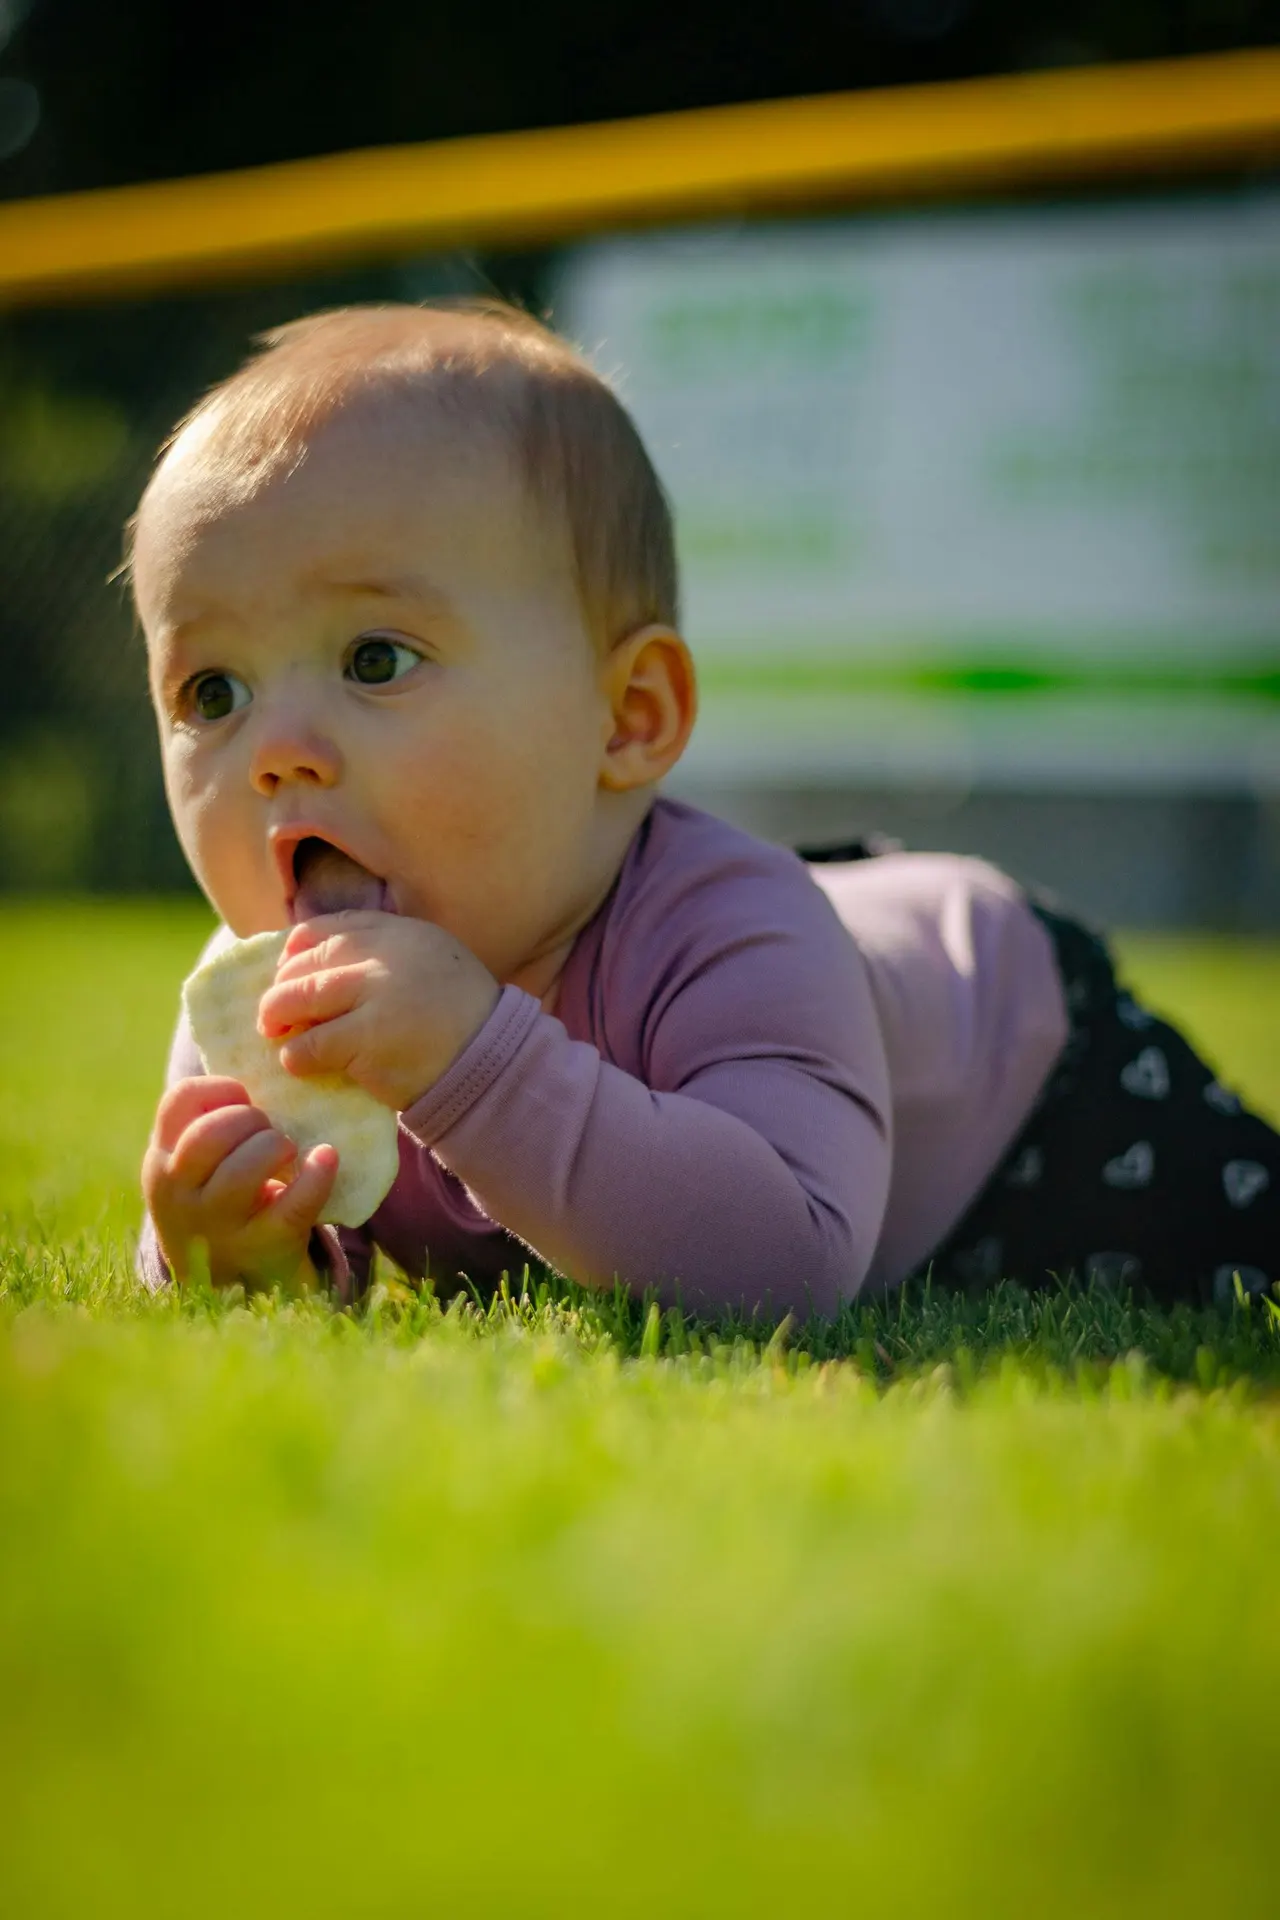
<point>328,1625</point>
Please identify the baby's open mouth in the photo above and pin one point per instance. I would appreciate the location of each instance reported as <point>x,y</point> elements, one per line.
<point>330,881</point>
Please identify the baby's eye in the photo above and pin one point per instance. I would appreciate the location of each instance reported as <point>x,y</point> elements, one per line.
<point>374,662</point>
<point>215,695</point>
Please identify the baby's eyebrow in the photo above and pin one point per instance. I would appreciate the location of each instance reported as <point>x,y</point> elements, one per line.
<point>406,586</point>
<point>192,629</point>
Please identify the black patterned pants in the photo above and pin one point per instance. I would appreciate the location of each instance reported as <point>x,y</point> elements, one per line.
<point>1136,1167</point>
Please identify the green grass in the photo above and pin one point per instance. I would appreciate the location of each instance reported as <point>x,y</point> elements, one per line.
<point>560,1606</point>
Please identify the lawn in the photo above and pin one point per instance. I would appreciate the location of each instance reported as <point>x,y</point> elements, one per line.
<point>560,1607</point>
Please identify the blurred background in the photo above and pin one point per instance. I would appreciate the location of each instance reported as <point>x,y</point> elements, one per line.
<point>977,479</point>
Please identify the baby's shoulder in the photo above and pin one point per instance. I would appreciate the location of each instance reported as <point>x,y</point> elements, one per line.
<point>689,870</point>
<point>694,876</point>
<point>708,916</point>
<point>717,946</point>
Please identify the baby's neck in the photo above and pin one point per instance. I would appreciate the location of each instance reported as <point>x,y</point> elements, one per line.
<point>541,976</point>
<point>540,973</point>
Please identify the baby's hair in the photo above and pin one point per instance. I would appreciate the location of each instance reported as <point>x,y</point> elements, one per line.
<point>481,362</point>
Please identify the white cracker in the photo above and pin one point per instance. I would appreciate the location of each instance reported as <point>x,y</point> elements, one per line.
<point>221,998</point>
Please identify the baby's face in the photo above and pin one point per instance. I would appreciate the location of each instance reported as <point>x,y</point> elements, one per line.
<point>383,650</point>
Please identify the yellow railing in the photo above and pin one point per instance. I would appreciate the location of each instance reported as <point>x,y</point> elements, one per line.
<point>969,136</point>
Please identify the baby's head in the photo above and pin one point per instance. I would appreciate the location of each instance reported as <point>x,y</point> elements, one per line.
<point>408,586</point>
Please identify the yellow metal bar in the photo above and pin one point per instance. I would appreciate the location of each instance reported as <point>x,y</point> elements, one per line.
<point>980,135</point>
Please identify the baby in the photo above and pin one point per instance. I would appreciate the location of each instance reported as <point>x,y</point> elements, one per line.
<point>408,586</point>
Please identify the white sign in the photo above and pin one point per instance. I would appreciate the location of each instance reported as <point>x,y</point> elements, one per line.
<point>990,494</point>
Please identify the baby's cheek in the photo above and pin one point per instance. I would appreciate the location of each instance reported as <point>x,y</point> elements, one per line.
<point>228,853</point>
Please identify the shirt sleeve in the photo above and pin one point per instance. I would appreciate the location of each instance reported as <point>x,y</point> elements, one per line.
<point>744,1162</point>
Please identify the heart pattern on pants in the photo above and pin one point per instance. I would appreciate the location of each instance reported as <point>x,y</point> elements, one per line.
<point>1133,1168</point>
<point>1252,1280</point>
<point>1244,1180</point>
<point>1113,1269</point>
<point>1027,1169</point>
<point>1147,1076</point>
<point>982,1262</point>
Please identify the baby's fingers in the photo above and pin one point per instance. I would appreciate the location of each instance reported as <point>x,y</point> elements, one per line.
<point>186,1100</point>
<point>322,928</point>
<point>210,1139</point>
<point>306,1000</point>
<point>235,1190</point>
<point>298,1207</point>
<point>329,1048</point>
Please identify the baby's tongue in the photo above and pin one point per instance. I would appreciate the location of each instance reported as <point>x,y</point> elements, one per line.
<point>330,881</point>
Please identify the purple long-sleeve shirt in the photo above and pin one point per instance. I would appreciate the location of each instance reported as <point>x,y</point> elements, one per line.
<point>754,1089</point>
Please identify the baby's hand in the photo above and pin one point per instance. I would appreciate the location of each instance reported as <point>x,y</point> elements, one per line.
<point>389,1001</point>
<point>220,1187</point>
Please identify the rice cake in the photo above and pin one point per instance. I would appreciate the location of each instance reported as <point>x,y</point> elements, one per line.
<point>221,999</point>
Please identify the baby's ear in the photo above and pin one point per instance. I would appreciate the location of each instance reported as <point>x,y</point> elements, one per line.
<point>652,692</point>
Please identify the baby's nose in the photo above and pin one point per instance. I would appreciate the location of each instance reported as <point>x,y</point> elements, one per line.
<point>291,750</point>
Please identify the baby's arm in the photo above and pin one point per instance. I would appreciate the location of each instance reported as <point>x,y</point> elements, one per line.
<point>750,1163</point>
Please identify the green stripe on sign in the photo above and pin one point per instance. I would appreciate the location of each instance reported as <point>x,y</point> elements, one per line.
<point>986,678</point>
